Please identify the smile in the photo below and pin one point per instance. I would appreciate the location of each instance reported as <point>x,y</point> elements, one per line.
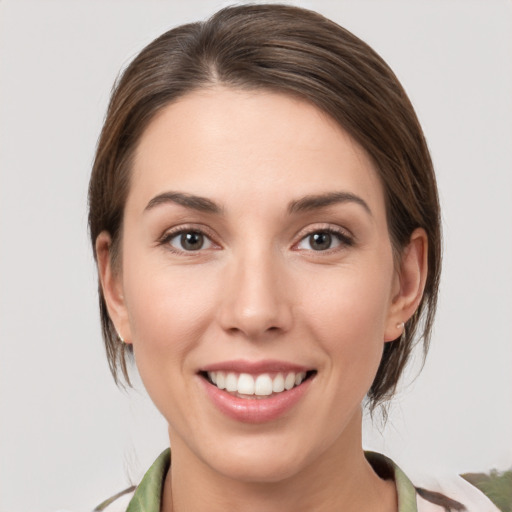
<point>256,392</point>
<point>245,385</point>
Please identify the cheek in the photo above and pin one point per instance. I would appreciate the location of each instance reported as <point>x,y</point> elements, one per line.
<point>168,307</point>
<point>348,313</point>
<point>169,311</point>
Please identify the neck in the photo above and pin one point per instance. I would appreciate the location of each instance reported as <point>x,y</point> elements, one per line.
<point>341,479</point>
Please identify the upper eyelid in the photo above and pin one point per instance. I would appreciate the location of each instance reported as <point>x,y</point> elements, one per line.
<point>173,232</point>
<point>345,237</point>
<point>184,228</point>
<point>210,234</point>
<point>332,228</point>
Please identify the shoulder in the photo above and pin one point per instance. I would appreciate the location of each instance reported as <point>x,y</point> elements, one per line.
<point>148,491</point>
<point>455,489</point>
<point>439,495</point>
<point>452,494</point>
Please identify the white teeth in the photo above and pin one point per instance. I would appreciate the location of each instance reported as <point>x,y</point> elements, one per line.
<point>289,382</point>
<point>246,384</point>
<point>260,385</point>
<point>231,382</point>
<point>299,378</point>
<point>278,383</point>
<point>220,380</point>
<point>263,385</point>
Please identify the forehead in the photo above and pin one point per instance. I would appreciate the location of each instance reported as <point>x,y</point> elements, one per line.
<point>225,142</point>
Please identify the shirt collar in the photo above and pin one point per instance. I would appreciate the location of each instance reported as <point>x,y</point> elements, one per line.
<point>147,497</point>
<point>387,469</point>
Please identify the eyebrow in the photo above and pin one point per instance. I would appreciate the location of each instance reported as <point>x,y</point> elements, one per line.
<point>198,203</point>
<point>305,204</point>
<point>315,202</point>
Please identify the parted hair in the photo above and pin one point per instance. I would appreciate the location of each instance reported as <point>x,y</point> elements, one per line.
<point>298,52</point>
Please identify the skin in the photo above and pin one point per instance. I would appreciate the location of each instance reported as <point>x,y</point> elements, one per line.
<point>259,290</point>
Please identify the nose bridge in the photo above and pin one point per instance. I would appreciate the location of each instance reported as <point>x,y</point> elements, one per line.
<point>256,301</point>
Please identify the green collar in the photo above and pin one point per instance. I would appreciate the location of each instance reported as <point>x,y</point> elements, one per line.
<point>148,495</point>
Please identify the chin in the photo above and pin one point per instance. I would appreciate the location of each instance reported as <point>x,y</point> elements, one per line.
<point>259,460</point>
<point>257,468</point>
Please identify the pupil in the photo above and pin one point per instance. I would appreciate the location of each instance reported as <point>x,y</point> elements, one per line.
<point>192,241</point>
<point>320,241</point>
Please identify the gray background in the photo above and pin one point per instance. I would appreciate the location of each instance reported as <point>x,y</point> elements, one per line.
<point>68,437</point>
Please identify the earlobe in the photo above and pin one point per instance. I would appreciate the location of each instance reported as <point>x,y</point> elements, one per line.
<point>411,278</point>
<point>111,285</point>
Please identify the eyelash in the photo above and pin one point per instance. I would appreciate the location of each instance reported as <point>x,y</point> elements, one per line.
<point>341,236</point>
<point>344,239</point>
<point>183,230</point>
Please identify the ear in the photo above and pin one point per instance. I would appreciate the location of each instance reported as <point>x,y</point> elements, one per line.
<point>409,284</point>
<point>112,286</point>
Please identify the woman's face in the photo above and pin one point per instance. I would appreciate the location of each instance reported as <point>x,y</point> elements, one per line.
<point>255,253</point>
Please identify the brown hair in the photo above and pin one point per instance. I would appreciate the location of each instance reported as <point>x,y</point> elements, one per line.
<point>294,51</point>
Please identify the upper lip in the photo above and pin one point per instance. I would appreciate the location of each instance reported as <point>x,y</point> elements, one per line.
<point>255,367</point>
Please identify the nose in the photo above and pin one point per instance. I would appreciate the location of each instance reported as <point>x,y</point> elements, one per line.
<point>256,299</point>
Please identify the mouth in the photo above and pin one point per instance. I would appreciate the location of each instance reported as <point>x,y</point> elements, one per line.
<point>256,386</point>
<point>256,392</point>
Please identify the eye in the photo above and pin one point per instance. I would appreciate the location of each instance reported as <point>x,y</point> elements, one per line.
<point>188,241</point>
<point>323,240</point>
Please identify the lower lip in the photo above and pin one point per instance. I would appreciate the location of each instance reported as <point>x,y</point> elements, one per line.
<point>255,410</point>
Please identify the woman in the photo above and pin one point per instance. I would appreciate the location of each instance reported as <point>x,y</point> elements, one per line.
<point>264,215</point>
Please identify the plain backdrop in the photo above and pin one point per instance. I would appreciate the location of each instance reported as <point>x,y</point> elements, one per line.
<point>68,437</point>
